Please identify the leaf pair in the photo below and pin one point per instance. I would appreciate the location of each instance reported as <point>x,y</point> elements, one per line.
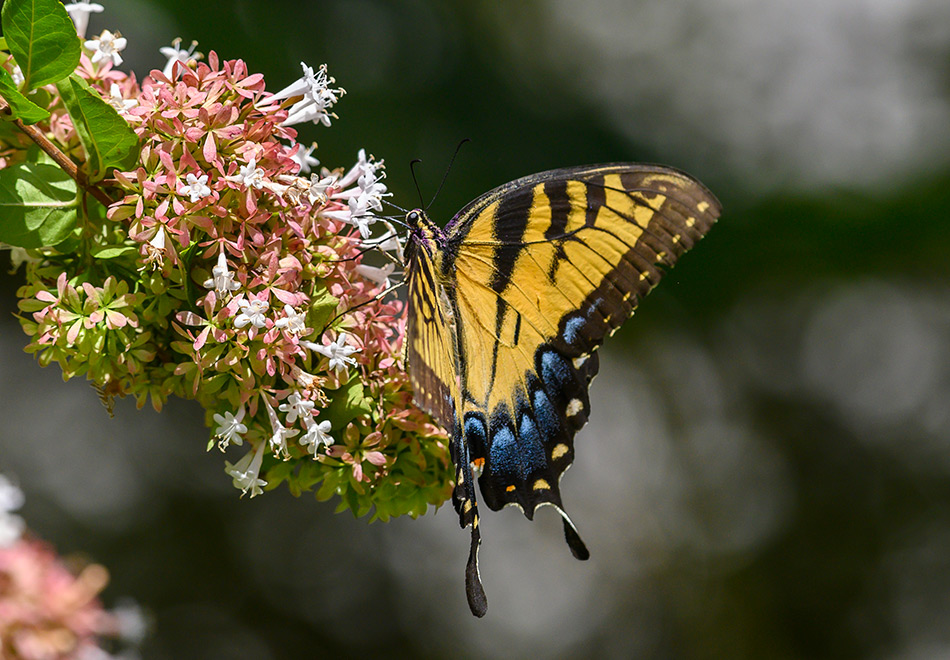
<point>38,202</point>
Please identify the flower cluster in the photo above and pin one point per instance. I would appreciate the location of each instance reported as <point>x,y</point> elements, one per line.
<point>230,270</point>
<point>47,611</point>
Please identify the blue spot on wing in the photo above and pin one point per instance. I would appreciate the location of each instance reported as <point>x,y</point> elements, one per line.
<point>504,452</point>
<point>572,327</point>
<point>556,373</point>
<point>532,447</point>
<point>545,414</point>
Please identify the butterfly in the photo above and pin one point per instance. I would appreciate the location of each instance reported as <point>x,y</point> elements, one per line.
<point>507,306</point>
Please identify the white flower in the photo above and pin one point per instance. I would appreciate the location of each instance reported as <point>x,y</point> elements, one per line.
<point>378,275</point>
<point>250,175</point>
<point>117,101</point>
<point>316,435</point>
<point>303,158</point>
<point>11,526</point>
<point>295,407</point>
<point>278,441</point>
<point>318,98</point>
<point>230,428</point>
<point>360,217</point>
<point>245,472</point>
<point>391,241</point>
<point>197,187</point>
<point>155,248</point>
<point>338,353</point>
<point>107,46</point>
<point>317,191</point>
<point>17,75</point>
<point>11,529</point>
<point>363,167</point>
<point>293,322</point>
<point>79,12</point>
<point>252,311</point>
<point>222,280</point>
<point>130,621</point>
<point>175,53</point>
<point>11,497</point>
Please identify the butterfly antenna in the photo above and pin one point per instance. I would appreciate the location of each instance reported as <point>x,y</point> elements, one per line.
<point>447,170</point>
<point>395,206</point>
<point>412,168</point>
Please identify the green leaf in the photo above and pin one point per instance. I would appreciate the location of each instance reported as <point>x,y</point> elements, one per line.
<point>22,108</point>
<point>107,138</point>
<point>322,308</point>
<point>37,205</point>
<point>115,251</point>
<point>347,404</point>
<point>42,38</point>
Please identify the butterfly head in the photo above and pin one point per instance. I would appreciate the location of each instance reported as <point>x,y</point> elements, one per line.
<point>421,229</point>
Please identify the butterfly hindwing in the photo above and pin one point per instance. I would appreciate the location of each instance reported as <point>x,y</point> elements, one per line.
<point>534,275</point>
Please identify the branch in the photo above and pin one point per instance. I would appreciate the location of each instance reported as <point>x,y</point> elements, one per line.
<point>59,158</point>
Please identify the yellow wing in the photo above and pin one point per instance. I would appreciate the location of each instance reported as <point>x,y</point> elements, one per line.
<point>535,275</point>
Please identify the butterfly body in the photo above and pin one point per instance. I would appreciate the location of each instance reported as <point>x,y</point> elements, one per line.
<point>507,307</point>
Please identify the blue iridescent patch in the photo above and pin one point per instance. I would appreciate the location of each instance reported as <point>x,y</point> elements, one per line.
<point>504,451</point>
<point>545,414</point>
<point>531,445</point>
<point>572,327</point>
<point>556,372</point>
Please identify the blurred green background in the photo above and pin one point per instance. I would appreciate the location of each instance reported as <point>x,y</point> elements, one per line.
<point>767,469</point>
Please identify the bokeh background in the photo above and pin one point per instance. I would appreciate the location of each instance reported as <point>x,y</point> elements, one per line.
<point>767,469</point>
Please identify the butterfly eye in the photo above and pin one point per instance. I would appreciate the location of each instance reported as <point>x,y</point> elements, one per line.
<point>413,217</point>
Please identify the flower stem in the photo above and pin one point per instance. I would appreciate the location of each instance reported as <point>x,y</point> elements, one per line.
<point>59,157</point>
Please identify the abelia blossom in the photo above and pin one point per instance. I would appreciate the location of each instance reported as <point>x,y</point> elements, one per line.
<point>175,53</point>
<point>196,187</point>
<point>246,472</point>
<point>337,351</point>
<point>107,47</point>
<point>79,12</point>
<point>222,279</point>
<point>244,289</point>
<point>230,429</point>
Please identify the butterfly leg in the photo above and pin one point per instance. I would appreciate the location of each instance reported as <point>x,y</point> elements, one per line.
<point>463,497</point>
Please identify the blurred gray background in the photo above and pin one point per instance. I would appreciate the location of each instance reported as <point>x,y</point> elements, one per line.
<point>766,473</point>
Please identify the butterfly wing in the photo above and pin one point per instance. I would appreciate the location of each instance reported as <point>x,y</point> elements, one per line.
<point>536,274</point>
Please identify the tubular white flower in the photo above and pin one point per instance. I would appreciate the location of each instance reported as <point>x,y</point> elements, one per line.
<point>337,351</point>
<point>391,241</point>
<point>79,12</point>
<point>317,191</point>
<point>249,176</point>
<point>175,53</point>
<point>245,472</point>
<point>222,280</point>
<point>117,101</point>
<point>316,435</point>
<point>303,158</point>
<point>293,322</point>
<point>296,407</point>
<point>252,312</point>
<point>363,167</point>
<point>196,188</point>
<point>378,275</point>
<point>106,46</point>
<point>318,98</point>
<point>230,428</point>
<point>278,441</point>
